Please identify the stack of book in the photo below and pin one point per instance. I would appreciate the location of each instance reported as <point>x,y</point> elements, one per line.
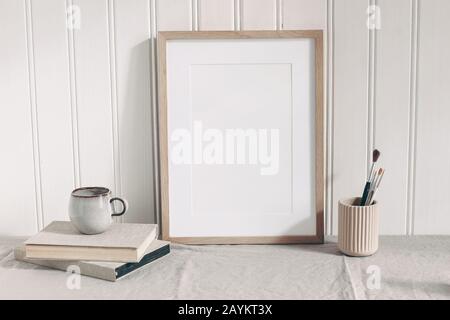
<point>111,255</point>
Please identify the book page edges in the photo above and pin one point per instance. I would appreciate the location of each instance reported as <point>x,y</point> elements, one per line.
<point>86,268</point>
<point>81,253</point>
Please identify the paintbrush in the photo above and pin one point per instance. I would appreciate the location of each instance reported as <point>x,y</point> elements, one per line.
<point>375,187</point>
<point>375,156</point>
<point>373,183</point>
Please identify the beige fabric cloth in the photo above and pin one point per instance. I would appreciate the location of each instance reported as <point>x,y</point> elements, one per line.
<point>409,268</point>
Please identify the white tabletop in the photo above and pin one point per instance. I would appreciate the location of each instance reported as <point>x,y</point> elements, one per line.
<point>408,268</point>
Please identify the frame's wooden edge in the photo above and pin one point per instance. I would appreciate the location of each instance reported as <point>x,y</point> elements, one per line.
<point>163,143</point>
<point>163,37</point>
<point>319,137</point>
<point>174,35</point>
<point>248,240</point>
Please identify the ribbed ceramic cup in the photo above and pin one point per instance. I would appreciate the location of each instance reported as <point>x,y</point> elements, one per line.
<point>358,228</point>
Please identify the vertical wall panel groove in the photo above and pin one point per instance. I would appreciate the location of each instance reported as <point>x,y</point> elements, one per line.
<point>371,90</point>
<point>330,118</point>
<point>237,15</point>
<point>73,99</point>
<point>154,76</point>
<point>412,118</point>
<point>374,90</point>
<point>195,15</point>
<point>113,91</point>
<point>279,8</point>
<point>34,117</point>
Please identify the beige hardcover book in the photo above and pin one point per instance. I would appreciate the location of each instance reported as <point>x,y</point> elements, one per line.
<point>110,271</point>
<point>122,242</point>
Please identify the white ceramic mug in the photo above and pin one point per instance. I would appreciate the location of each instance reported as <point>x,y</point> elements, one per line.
<point>91,209</point>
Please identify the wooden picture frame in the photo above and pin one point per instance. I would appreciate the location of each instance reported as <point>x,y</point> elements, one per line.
<point>317,37</point>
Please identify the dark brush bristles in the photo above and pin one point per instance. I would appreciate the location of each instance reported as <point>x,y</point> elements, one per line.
<point>376,155</point>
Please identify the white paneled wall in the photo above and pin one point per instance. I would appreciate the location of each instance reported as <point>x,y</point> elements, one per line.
<point>431,118</point>
<point>78,105</point>
<point>390,107</point>
<point>17,104</point>
<point>350,101</point>
<point>214,15</point>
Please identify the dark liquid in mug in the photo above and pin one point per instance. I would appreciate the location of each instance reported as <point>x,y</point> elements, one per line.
<point>90,192</point>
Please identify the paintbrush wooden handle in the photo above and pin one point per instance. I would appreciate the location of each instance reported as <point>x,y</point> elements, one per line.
<point>370,197</point>
<point>373,191</point>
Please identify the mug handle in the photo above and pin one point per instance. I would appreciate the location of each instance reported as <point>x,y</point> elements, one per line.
<point>124,206</point>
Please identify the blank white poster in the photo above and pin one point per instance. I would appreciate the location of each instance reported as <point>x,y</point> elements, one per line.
<point>241,134</point>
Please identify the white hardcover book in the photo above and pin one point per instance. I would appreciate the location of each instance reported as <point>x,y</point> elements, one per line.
<point>122,242</point>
